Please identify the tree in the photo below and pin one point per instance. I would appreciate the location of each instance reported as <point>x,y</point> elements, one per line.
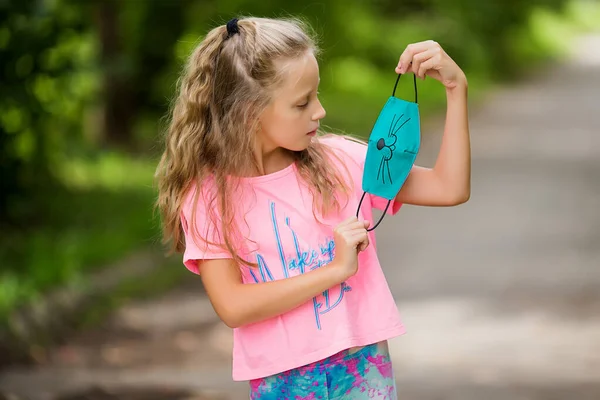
<point>35,77</point>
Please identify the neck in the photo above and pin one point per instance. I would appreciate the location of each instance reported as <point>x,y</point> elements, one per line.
<point>271,160</point>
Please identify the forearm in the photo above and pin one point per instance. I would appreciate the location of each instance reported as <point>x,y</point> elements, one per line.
<point>250,303</point>
<point>453,166</point>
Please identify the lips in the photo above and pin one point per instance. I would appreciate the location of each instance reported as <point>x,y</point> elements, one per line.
<point>312,133</point>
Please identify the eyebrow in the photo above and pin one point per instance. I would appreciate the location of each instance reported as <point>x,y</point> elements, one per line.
<point>308,93</point>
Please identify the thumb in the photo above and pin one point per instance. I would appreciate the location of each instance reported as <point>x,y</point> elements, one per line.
<point>367,224</point>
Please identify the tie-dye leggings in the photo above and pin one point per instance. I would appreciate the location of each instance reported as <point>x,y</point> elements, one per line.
<point>363,374</point>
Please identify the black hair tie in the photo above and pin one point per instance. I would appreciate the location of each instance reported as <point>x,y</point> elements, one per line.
<point>232,27</point>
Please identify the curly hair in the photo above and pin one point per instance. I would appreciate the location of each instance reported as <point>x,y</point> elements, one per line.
<point>227,82</point>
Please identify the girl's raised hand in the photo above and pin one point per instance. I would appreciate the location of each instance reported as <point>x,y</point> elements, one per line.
<point>429,59</point>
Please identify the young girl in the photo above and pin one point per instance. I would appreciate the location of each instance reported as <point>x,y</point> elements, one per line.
<point>262,205</point>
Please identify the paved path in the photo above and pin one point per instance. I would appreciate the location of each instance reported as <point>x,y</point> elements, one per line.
<point>501,296</point>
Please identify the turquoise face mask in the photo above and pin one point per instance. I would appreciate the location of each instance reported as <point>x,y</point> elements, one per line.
<point>394,143</point>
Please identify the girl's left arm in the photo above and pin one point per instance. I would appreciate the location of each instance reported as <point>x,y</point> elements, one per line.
<point>448,183</point>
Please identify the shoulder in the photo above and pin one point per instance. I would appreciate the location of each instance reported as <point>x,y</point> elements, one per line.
<point>198,197</point>
<point>346,147</point>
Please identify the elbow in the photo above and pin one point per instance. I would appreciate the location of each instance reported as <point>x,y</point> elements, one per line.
<point>233,309</point>
<point>463,198</point>
<point>232,322</point>
<point>459,198</point>
<point>232,316</point>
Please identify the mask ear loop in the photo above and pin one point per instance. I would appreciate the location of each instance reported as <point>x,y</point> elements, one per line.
<point>415,84</point>
<point>365,193</point>
<point>382,215</point>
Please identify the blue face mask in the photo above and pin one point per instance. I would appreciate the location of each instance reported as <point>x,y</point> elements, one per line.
<point>393,146</point>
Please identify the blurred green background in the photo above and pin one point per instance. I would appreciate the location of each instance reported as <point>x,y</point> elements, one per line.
<point>86,85</point>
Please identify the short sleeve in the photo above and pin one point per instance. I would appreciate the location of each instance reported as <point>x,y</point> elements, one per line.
<point>203,238</point>
<point>357,152</point>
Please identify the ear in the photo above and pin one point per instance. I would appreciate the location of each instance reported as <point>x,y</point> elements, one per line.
<point>255,126</point>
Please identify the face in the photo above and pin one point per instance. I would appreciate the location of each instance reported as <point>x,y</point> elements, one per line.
<point>292,117</point>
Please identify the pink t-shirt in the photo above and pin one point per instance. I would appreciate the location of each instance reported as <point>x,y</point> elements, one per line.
<point>284,239</point>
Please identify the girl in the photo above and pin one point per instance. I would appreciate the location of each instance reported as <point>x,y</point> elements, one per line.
<point>262,205</point>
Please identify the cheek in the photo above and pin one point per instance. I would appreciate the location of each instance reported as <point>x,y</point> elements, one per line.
<point>282,124</point>
<point>285,121</point>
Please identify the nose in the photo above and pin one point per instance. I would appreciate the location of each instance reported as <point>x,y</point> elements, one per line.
<point>319,113</point>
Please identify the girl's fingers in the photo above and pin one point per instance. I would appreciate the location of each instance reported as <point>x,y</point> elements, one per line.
<point>358,225</point>
<point>363,241</point>
<point>344,225</point>
<point>423,57</point>
<point>426,66</point>
<point>411,50</point>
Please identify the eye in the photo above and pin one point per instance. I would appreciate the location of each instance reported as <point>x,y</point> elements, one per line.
<point>307,102</point>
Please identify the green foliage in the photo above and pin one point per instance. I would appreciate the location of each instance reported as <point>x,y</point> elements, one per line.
<point>81,79</point>
<point>46,59</point>
<point>92,223</point>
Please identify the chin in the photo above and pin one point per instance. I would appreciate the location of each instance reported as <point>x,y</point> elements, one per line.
<point>298,149</point>
<point>300,145</point>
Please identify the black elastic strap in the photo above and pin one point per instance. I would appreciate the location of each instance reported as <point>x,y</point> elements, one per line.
<point>415,83</point>
<point>364,193</point>
<point>382,215</point>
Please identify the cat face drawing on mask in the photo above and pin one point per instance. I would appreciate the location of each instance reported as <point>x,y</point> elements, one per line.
<point>393,146</point>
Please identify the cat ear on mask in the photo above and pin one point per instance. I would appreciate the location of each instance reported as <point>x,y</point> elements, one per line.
<point>394,143</point>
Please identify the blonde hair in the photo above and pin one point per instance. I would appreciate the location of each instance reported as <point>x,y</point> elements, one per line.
<point>227,83</point>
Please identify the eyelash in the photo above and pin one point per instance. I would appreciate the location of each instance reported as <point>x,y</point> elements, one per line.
<point>305,104</point>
